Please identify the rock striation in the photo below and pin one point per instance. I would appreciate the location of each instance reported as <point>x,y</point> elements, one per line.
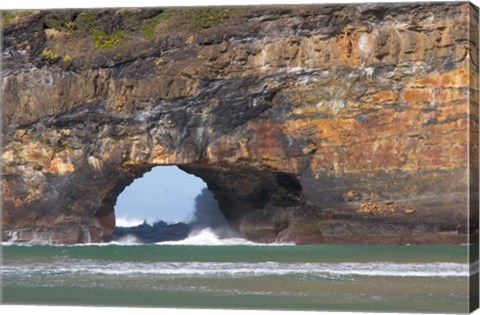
<point>309,124</point>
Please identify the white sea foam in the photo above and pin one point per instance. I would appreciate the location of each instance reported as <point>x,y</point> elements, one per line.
<point>204,237</point>
<point>242,269</point>
<point>207,237</point>
<point>127,240</point>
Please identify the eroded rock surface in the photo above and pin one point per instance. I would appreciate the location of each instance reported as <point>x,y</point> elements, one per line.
<point>310,124</point>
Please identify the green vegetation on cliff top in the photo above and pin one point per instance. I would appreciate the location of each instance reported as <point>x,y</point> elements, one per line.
<point>110,29</point>
<point>106,34</point>
<point>189,20</point>
<point>15,16</point>
<point>104,40</point>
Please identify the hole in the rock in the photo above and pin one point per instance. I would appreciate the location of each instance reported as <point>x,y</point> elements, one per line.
<point>167,204</point>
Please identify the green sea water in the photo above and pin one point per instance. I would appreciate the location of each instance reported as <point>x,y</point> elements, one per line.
<point>430,278</point>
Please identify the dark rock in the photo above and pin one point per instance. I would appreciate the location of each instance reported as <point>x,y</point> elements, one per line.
<point>305,122</point>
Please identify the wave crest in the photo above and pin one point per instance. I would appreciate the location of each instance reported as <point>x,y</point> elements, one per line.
<point>225,270</point>
<point>208,237</point>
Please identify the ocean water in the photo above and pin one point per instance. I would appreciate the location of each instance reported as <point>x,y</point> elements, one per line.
<point>204,271</point>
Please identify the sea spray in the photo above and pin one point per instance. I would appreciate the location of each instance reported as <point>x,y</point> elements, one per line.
<point>208,237</point>
<point>207,226</point>
<point>207,212</point>
<point>128,239</point>
<point>86,235</point>
<point>163,233</point>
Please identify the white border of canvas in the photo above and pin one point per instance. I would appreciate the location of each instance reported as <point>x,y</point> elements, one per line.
<point>75,310</point>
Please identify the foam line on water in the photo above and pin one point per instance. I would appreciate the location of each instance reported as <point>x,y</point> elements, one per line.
<point>240,269</point>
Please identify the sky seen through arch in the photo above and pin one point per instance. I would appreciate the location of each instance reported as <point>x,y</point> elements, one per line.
<point>165,193</point>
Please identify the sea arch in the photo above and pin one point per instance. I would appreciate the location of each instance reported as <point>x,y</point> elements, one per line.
<point>306,128</point>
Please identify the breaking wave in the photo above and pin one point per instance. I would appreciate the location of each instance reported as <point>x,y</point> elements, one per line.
<point>244,269</point>
<point>208,237</point>
<point>208,227</point>
<point>176,234</point>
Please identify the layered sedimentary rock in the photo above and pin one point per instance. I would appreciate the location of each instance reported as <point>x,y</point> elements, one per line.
<point>310,124</point>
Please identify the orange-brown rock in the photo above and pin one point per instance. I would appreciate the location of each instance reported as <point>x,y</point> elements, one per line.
<point>313,124</point>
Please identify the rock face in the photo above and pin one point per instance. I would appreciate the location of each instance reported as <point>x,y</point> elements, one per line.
<point>310,124</point>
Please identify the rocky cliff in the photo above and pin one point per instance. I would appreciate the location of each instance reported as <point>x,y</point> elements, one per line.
<point>311,124</point>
